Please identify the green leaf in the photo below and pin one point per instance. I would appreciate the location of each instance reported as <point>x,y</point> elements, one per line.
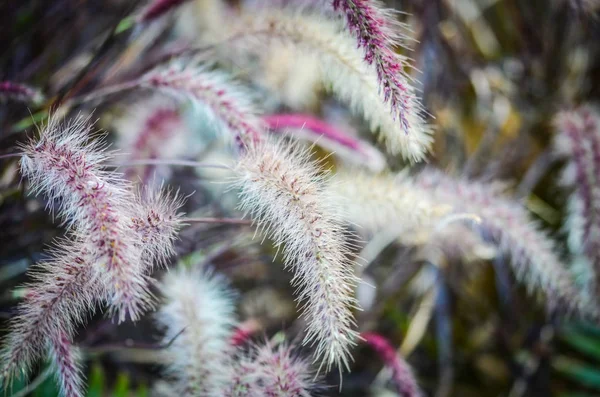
<point>122,386</point>
<point>585,344</point>
<point>48,388</point>
<point>125,24</point>
<point>96,382</point>
<point>578,371</point>
<point>34,119</point>
<point>142,391</point>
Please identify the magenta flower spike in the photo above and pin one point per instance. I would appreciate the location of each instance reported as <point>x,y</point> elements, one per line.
<point>10,90</point>
<point>66,364</point>
<point>402,374</point>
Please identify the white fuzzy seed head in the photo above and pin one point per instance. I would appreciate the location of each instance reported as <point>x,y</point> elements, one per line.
<point>198,315</point>
<point>284,192</point>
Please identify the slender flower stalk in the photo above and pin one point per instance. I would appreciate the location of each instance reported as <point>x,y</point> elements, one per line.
<point>378,33</point>
<point>328,136</point>
<point>284,192</point>
<point>66,168</point>
<point>345,71</point>
<point>578,141</point>
<point>402,374</point>
<point>201,305</point>
<point>19,92</point>
<point>270,371</point>
<point>65,359</point>
<point>222,100</point>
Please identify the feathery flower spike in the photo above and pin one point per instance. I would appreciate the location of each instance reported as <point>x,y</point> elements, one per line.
<point>95,203</point>
<point>377,32</point>
<point>284,192</point>
<point>578,140</point>
<point>373,202</point>
<point>63,292</point>
<point>402,374</point>
<point>65,288</point>
<point>200,304</point>
<point>344,70</point>
<point>223,101</point>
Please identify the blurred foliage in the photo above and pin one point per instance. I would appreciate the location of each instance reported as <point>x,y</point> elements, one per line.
<point>494,73</point>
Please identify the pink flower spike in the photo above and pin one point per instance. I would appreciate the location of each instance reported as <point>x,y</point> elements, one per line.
<point>158,8</point>
<point>245,331</point>
<point>221,99</point>
<point>272,371</point>
<point>335,139</point>
<point>377,32</point>
<point>19,92</point>
<point>401,371</point>
<point>96,204</point>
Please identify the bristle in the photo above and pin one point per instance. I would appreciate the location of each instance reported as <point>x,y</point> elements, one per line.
<point>157,223</point>
<point>375,203</point>
<point>62,295</point>
<point>533,254</point>
<point>377,32</point>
